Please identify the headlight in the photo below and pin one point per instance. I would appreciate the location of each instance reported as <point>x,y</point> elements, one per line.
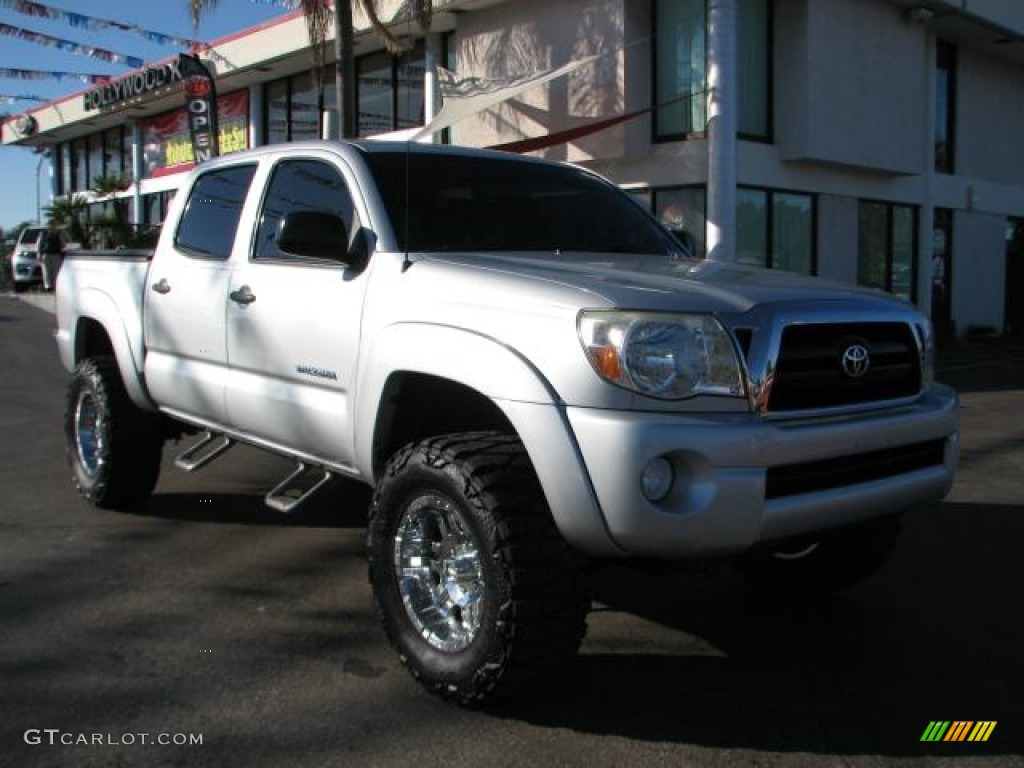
<point>666,356</point>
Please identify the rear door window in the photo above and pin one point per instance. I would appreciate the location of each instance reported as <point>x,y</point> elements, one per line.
<point>210,221</point>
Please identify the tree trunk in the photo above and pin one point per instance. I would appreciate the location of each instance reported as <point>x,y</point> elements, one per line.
<point>345,75</point>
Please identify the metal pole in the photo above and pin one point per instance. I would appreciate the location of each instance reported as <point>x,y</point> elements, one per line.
<point>39,206</point>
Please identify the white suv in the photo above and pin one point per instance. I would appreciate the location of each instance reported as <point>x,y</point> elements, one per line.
<point>26,259</point>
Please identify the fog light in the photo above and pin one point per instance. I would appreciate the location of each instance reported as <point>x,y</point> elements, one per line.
<point>656,479</point>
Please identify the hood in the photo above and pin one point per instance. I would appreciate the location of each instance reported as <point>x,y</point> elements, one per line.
<point>657,283</point>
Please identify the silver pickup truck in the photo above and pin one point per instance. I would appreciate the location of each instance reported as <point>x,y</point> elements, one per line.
<point>525,366</point>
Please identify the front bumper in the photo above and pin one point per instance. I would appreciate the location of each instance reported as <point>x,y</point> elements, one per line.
<point>721,501</point>
<point>27,270</point>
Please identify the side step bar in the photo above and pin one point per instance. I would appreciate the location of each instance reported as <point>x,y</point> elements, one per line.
<point>290,492</point>
<point>195,458</point>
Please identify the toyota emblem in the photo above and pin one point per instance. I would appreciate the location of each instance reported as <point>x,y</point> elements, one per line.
<point>856,360</point>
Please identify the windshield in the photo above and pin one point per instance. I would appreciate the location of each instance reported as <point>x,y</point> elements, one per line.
<point>30,236</point>
<point>461,203</point>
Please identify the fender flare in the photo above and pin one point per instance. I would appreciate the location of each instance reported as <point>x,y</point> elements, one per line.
<point>516,387</point>
<point>99,307</point>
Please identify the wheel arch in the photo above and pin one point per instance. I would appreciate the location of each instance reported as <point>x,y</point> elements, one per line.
<point>100,330</point>
<point>428,380</point>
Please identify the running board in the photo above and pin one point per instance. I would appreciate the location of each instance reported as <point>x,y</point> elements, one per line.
<point>289,493</point>
<point>194,458</point>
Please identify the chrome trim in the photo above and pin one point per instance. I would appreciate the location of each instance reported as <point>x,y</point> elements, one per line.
<point>768,322</point>
<point>440,573</point>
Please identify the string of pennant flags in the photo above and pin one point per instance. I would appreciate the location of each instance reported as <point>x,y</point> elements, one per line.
<point>6,98</point>
<point>70,46</point>
<point>94,23</point>
<point>43,74</point>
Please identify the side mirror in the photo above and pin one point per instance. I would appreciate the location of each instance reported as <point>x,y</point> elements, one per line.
<point>314,234</point>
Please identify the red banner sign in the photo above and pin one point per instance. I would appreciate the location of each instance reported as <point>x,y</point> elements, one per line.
<point>167,145</point>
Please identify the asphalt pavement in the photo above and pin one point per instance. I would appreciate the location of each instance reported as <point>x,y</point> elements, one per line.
<point>205,614</point>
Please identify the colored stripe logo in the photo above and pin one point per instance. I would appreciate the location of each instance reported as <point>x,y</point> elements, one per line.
<point>958,730</point>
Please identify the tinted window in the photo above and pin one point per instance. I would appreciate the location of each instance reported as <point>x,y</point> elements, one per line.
<point>30,236</point>
<point>300,185</point>
<point>210,221</point>
<point>459,203</point>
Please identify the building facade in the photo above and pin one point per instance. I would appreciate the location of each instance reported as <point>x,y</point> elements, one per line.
<point>873,142</point>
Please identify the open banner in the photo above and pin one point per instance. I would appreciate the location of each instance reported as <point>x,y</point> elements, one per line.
<point>167,144</point>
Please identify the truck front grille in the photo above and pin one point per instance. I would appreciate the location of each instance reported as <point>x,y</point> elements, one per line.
<point>810,372</point>
<point>793,479</point>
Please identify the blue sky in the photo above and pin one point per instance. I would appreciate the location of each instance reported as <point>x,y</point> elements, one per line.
<point>171,17</point>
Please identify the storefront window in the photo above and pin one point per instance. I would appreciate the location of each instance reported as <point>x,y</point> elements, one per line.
<point>276,98</point>
<point>375,103</point>
<point>95,159</point>
<point>886,246</point>
<point>775,229</point>
<point>680,67</point>
<point>752,227</point>
<point>792,232</point>
<point>389,91</point>
<point>305,108</point>
<point>80,158</point>
<point>114,161</point>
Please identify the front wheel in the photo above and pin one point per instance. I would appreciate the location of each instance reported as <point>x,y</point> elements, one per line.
<point>475,587</point>
<point>113,447</point>
<point>818,566</point>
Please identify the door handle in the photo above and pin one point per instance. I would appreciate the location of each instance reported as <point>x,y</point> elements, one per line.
<point>243,296</point>
<point>163,286</point>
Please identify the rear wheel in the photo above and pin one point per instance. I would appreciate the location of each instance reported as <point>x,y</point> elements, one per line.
<point>113,447</point>
<point>818,566</point>
<point>476,589</point>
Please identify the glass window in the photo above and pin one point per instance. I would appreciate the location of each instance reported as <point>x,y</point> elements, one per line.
<point>873,245</point>
<point>114,163</point>
<point>96,171</point>
<point>886,246</point>
<point>450,62</point>
<point>776,229</point>
<point>680,67</point>
<point>210,220</point>
<point>304,108</point>
<point>300,185</point>
<point>127,154</point>
<point>792,231</point>
<point>753,20</point>
<point>276,110</point>
<point>374,94</point>
<point>904,232</point>
<point>751,226</point>
<point>80,178</point>
<point>411,71</point>
<point>63,165</point>
<point>684,209</point>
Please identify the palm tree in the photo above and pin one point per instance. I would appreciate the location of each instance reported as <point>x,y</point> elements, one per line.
<point>318,15</point>
<point>67,212</point>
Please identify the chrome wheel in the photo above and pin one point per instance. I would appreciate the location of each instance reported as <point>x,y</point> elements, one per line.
<point>440,573</point>
<point>88,433</point>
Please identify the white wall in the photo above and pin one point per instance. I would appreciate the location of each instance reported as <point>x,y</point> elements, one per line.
<point>990,118</point>
<point>851,85</point>
<point>519,38</point>
<point>979,264</point>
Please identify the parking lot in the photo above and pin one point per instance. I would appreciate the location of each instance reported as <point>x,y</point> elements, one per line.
<point>206,613</point>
